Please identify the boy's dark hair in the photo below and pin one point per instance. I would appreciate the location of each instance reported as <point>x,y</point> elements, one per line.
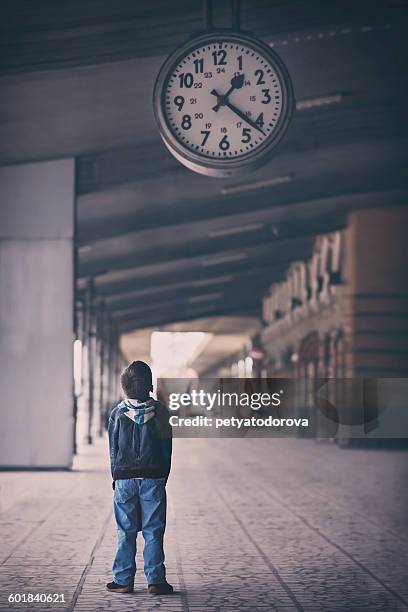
<point>136,380</point>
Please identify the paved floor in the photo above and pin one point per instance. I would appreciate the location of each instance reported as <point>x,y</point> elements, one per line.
<point>254,524</point>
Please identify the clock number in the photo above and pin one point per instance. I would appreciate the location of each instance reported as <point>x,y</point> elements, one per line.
<point>239,58</point>
<point>246,135</point>
<point>224,143</point>
<point>186,79</point>
<point>260,120</point>
<point>186,122</point>
<point>199,65</point>
<point>260,80</point>
<point>179,102</point>
<point>206,136</point>
<point>219,57</point>
<point>267,98</point>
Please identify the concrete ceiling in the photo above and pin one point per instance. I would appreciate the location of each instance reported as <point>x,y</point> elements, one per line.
<point>77,80</point>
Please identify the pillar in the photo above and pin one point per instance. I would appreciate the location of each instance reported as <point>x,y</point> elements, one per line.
<point>377,257</point>
<point>376,324</point>
<point>36,314</point>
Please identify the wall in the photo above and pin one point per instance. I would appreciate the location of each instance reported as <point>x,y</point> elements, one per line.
<point>36,300</point>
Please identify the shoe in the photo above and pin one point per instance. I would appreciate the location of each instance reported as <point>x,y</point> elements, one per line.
<point>113,587</point>
<point>163,588</point>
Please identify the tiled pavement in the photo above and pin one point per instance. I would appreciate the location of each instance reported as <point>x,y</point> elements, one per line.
<point>254,524</point>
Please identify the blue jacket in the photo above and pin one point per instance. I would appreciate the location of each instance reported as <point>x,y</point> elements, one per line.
<point>140,440</point>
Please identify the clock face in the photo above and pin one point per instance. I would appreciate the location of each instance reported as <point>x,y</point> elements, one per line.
<point>222,100</point>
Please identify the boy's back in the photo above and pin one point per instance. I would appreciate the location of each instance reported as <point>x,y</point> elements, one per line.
<point>140,440</point>
<point>140,445</point>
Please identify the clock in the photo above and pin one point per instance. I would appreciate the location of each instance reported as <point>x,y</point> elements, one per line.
<point>222,102</point>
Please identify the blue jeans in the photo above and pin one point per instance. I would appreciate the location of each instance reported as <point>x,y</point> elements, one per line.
<point>140,504</point>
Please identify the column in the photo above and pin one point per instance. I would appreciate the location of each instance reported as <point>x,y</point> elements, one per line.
<point>36,314</point>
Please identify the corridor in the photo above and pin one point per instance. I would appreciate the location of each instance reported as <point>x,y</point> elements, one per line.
<point>217,189</point>
<point>263,524</point>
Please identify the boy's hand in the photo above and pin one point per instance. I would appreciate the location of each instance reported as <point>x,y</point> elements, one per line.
<point>113,484</point>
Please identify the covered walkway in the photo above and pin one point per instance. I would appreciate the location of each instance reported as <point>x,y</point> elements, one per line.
<point>253,525</point>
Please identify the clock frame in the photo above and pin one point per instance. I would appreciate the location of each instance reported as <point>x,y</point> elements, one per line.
<point>222,166</point>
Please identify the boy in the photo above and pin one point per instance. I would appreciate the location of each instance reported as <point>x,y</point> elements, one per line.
<point>140,447</point>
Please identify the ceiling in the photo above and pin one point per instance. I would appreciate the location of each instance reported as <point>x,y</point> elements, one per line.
<point>159,240</point>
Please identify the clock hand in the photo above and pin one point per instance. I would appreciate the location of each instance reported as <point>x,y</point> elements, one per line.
<point>244,117</point>
<point>236,83</point>
<point>238,112</point>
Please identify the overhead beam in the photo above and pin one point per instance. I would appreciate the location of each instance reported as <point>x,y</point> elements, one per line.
<point>192,287</point>
<point>376,120</point>
<point>232,298</point>
<point>230,291</point>
<point>88,33</point>
<point>190,269</point>
<point>252,309</point>
<point>194,238</point>
<point>94,263</point>
<point>39,104</point>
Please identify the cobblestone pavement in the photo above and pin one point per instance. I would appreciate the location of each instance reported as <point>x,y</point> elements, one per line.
<point>254,524</point>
